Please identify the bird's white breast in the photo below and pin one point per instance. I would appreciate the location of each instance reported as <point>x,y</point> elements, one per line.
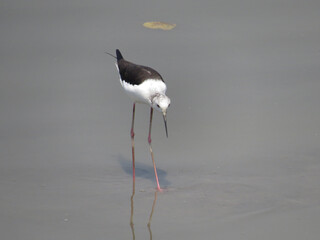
<point>144,91</point>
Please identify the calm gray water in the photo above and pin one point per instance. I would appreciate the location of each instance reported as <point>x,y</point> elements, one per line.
<point>242,159</point>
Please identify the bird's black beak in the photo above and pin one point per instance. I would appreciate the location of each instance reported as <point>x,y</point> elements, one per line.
<point>165,122</point>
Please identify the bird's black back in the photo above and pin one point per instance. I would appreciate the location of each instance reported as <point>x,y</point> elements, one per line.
<point>133,73</point>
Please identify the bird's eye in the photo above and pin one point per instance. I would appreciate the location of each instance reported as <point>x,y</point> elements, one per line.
<point>158,106</point>
<point>169,105</point>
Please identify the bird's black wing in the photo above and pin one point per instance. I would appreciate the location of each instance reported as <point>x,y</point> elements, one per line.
<point>136,74</point>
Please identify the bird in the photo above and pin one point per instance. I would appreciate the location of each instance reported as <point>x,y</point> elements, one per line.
<point>143,85</point>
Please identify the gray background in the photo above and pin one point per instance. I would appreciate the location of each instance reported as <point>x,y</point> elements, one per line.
<point>242,160</point>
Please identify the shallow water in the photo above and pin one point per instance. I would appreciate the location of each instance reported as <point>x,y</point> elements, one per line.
<point>242,157</point>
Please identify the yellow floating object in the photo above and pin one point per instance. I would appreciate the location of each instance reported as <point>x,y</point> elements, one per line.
<point>159,25</point>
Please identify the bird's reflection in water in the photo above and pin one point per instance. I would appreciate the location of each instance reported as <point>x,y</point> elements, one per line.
<point>151,213</point>
<point>150,218</point>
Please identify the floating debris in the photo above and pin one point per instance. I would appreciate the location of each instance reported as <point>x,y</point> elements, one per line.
<point>159,25</point>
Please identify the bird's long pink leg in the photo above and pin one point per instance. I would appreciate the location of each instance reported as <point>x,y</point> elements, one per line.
<point>132,143</point>
<point>149,140</point>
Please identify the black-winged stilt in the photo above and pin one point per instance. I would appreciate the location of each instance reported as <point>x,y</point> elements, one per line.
<point>144,85</point>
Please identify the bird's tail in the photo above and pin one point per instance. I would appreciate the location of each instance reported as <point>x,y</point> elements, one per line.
<point>119,55</point>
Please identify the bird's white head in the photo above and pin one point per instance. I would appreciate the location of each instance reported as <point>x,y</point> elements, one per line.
<point>161,102</point>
